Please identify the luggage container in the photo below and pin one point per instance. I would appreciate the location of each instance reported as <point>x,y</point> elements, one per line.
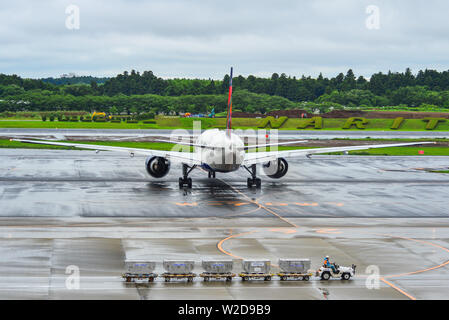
<point>256,266</point>
<point>139,266</point>
<point>178,269</point>
<point>217,269</point>
<point>294,265</point>
<point>178,266</point>
<point>139,269</point>
<point>294,269</point>
<point>217,266</point>
<point>256,269</point>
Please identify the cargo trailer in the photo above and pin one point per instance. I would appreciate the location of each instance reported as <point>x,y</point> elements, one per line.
<point>139,270</point>
<point>256,269</point>
<point>294,269</point>
<point>217,269</point>
<point>178,269</point>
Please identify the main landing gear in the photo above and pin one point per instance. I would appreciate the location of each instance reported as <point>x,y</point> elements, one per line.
<point>211,174</point>
<point>253,181</point>
<point>185,180</point>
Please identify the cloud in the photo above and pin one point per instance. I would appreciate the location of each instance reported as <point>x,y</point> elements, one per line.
<point>201,39</point>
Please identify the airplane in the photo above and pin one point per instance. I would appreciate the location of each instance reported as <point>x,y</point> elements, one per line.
<point>220,151</point>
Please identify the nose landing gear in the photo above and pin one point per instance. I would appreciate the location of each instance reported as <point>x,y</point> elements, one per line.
<point>254,182</point>
<point>185,180</point>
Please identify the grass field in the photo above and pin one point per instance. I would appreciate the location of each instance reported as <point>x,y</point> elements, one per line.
<point>75,125</point>
<point>373,125</point>
<point>238,123</point>
<point>394,151</point>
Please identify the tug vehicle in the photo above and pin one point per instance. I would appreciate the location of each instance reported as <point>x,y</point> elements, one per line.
<point>344,273</point>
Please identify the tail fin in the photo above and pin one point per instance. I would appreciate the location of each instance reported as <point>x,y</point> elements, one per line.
<point>229,115</point>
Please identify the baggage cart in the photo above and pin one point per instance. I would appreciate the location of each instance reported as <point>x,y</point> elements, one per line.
<point>178,266</point>
<point>294,265</point>
<point>283,276</point>
<point>217,266</point>
<point>139,270</point>
<point>169,276</point>
<point>256,266</point>
<point>217,276</point>
<point>131,277</point>
<point>256,276</point>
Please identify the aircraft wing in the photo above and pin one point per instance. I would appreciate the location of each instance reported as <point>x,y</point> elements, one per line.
<point>272,144</point>
<point>262,157</point>
<point>183,157</point>
<point>202,146</point>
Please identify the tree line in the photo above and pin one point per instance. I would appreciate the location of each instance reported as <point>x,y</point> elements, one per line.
<point>42,101</point>
<point>145,92</point>
<point>75,80</point>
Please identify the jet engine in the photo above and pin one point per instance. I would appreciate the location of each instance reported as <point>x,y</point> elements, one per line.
<point>276,169</point>
<point>157,167</point>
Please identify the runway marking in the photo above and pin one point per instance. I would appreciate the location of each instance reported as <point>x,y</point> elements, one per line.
<point>277,215</point>
<point>243,213</point>
<point>224,202</point>
<point>286,231</point>
<point>423,270</point>
<point>190,204</point>
<point>338,204</point>
<point>261,205</point>
<point>398,289</point>
<point>328,230</point>
<point>241,204</point>
<point>215,203</point>
<point>334,231</point>
<point>220,244</point>
<point>276,204</point>
<point>383,279</point>
<point>305,204</point>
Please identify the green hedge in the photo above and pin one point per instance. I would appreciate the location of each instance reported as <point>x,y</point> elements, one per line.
<point>433,122</point>
<point>397,123</point>
<point>358,122</point>
<point>316,122</point>
<point>272,122</point>
<point>145,116</point>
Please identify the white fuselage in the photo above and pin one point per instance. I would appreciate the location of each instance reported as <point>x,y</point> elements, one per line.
<point>228,153</point>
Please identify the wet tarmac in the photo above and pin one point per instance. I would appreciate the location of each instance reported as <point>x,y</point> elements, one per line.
<point>77,208</point>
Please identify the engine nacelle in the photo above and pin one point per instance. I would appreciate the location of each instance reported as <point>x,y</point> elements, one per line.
<point>157,167</point>
<point>276,169</point>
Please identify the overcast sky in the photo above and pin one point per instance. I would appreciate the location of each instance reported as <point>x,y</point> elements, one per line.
<point>202,39</point>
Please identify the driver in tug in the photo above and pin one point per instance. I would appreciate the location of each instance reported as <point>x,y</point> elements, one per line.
<point>327,264</point>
